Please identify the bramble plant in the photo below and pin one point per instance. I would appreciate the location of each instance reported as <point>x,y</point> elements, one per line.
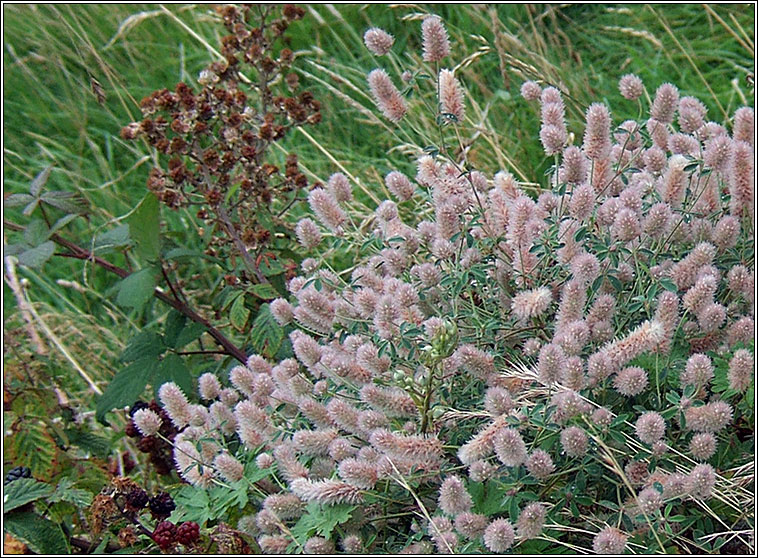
<point>500,367</point>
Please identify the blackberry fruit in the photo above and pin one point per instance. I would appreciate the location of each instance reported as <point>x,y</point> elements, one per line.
<point>17,473</point>
<point>187,533</point>
<point>165,534</point>
<point>131,430</point>
<point>136,407</point>
<point>136,499</point>
<point>161,505</point>
<point>147,444</point>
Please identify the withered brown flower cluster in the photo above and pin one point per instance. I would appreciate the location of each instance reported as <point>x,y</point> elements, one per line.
<point>216,140</point>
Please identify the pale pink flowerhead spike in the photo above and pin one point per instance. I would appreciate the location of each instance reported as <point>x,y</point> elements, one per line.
<point>435,39</point>
<point>308,233</point>
<point>175,403</point>
<point>665,103</point>
<point>386,95</point>
<point>399,185</point>
<point>453,497</point>
<point>451,95</point>
<point>631,87</point>
<point>147,422</point>
<point>744,125</point>
<point>499,536</point>
<point>609,541</point>
<point>530,90</point>
<point>228,467</point>
<point>378,41</point>
<point>741,370</point>
<point>597,134</point>
<point>742,181</point>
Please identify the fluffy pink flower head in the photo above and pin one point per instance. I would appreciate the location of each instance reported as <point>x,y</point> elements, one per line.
<point>574,441</point>
<point>454,498</point>
<point>530,304</point>
<point>530,90</point>
<point>700,482</point>
<point>575,165</point>
<point>650,427</point>
<point>741,370</point>
<point>531,520</point>
<point>386,95</point>
<point>327,492</point>
<point>228,467</point>
<point>630,381</point>
<point>744,125</point>
<point>631,87</point>
<point>703,446</point>
<point>499,536</point>
<point>324,205</point>
<point>308,233</point>
<point>451,95</point>
<point>378,41</point>
<point>399,185</point>
<point>471,525</point>
<point>510,447</point>
<point>358,472</point>
<point>539,464</point>
<point>435,40</point>
<point>742,181</point>
<point>338,186</point>
<point>697,372</point>
<point>665,103</point>
<point>147,422</point>
<point>597,134</point>
<point>175,403</point>
<point>609,541</point>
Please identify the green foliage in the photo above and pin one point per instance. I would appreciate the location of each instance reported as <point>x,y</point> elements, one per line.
<point>23,491</point>
<point>137,289</point>
<point>40,534</point>
<point>320,520</point>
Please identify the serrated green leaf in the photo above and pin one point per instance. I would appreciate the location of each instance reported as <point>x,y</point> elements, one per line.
<point>172,369</point>
<point>175,322</point>
<point>144,226</point>
<point>39,534</point>
<point>321,520</point>
<point>36,257</point>
<point>136,289</point>
<point>239,313</point>
<point>33,447</point>
<point>17,200</point>
<point>266,335</point>
<point>266,291</point>
<point>189,334</point>
<point>113,238</point>
<point>126,386</point>
<point>23,491</point>
<point>89,442</point>
<point>35,187</point>
<point>65,492</point>
<point>144,344</point>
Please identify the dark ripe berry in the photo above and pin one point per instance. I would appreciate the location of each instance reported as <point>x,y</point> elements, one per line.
<point>17,473</point>
<point>147,444</point>
<point>136,499</point>
<point>136,407</point>
<point>187,533</point>
<point>165,534</point>
<point>161,505</point>
<point>131,430</point>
